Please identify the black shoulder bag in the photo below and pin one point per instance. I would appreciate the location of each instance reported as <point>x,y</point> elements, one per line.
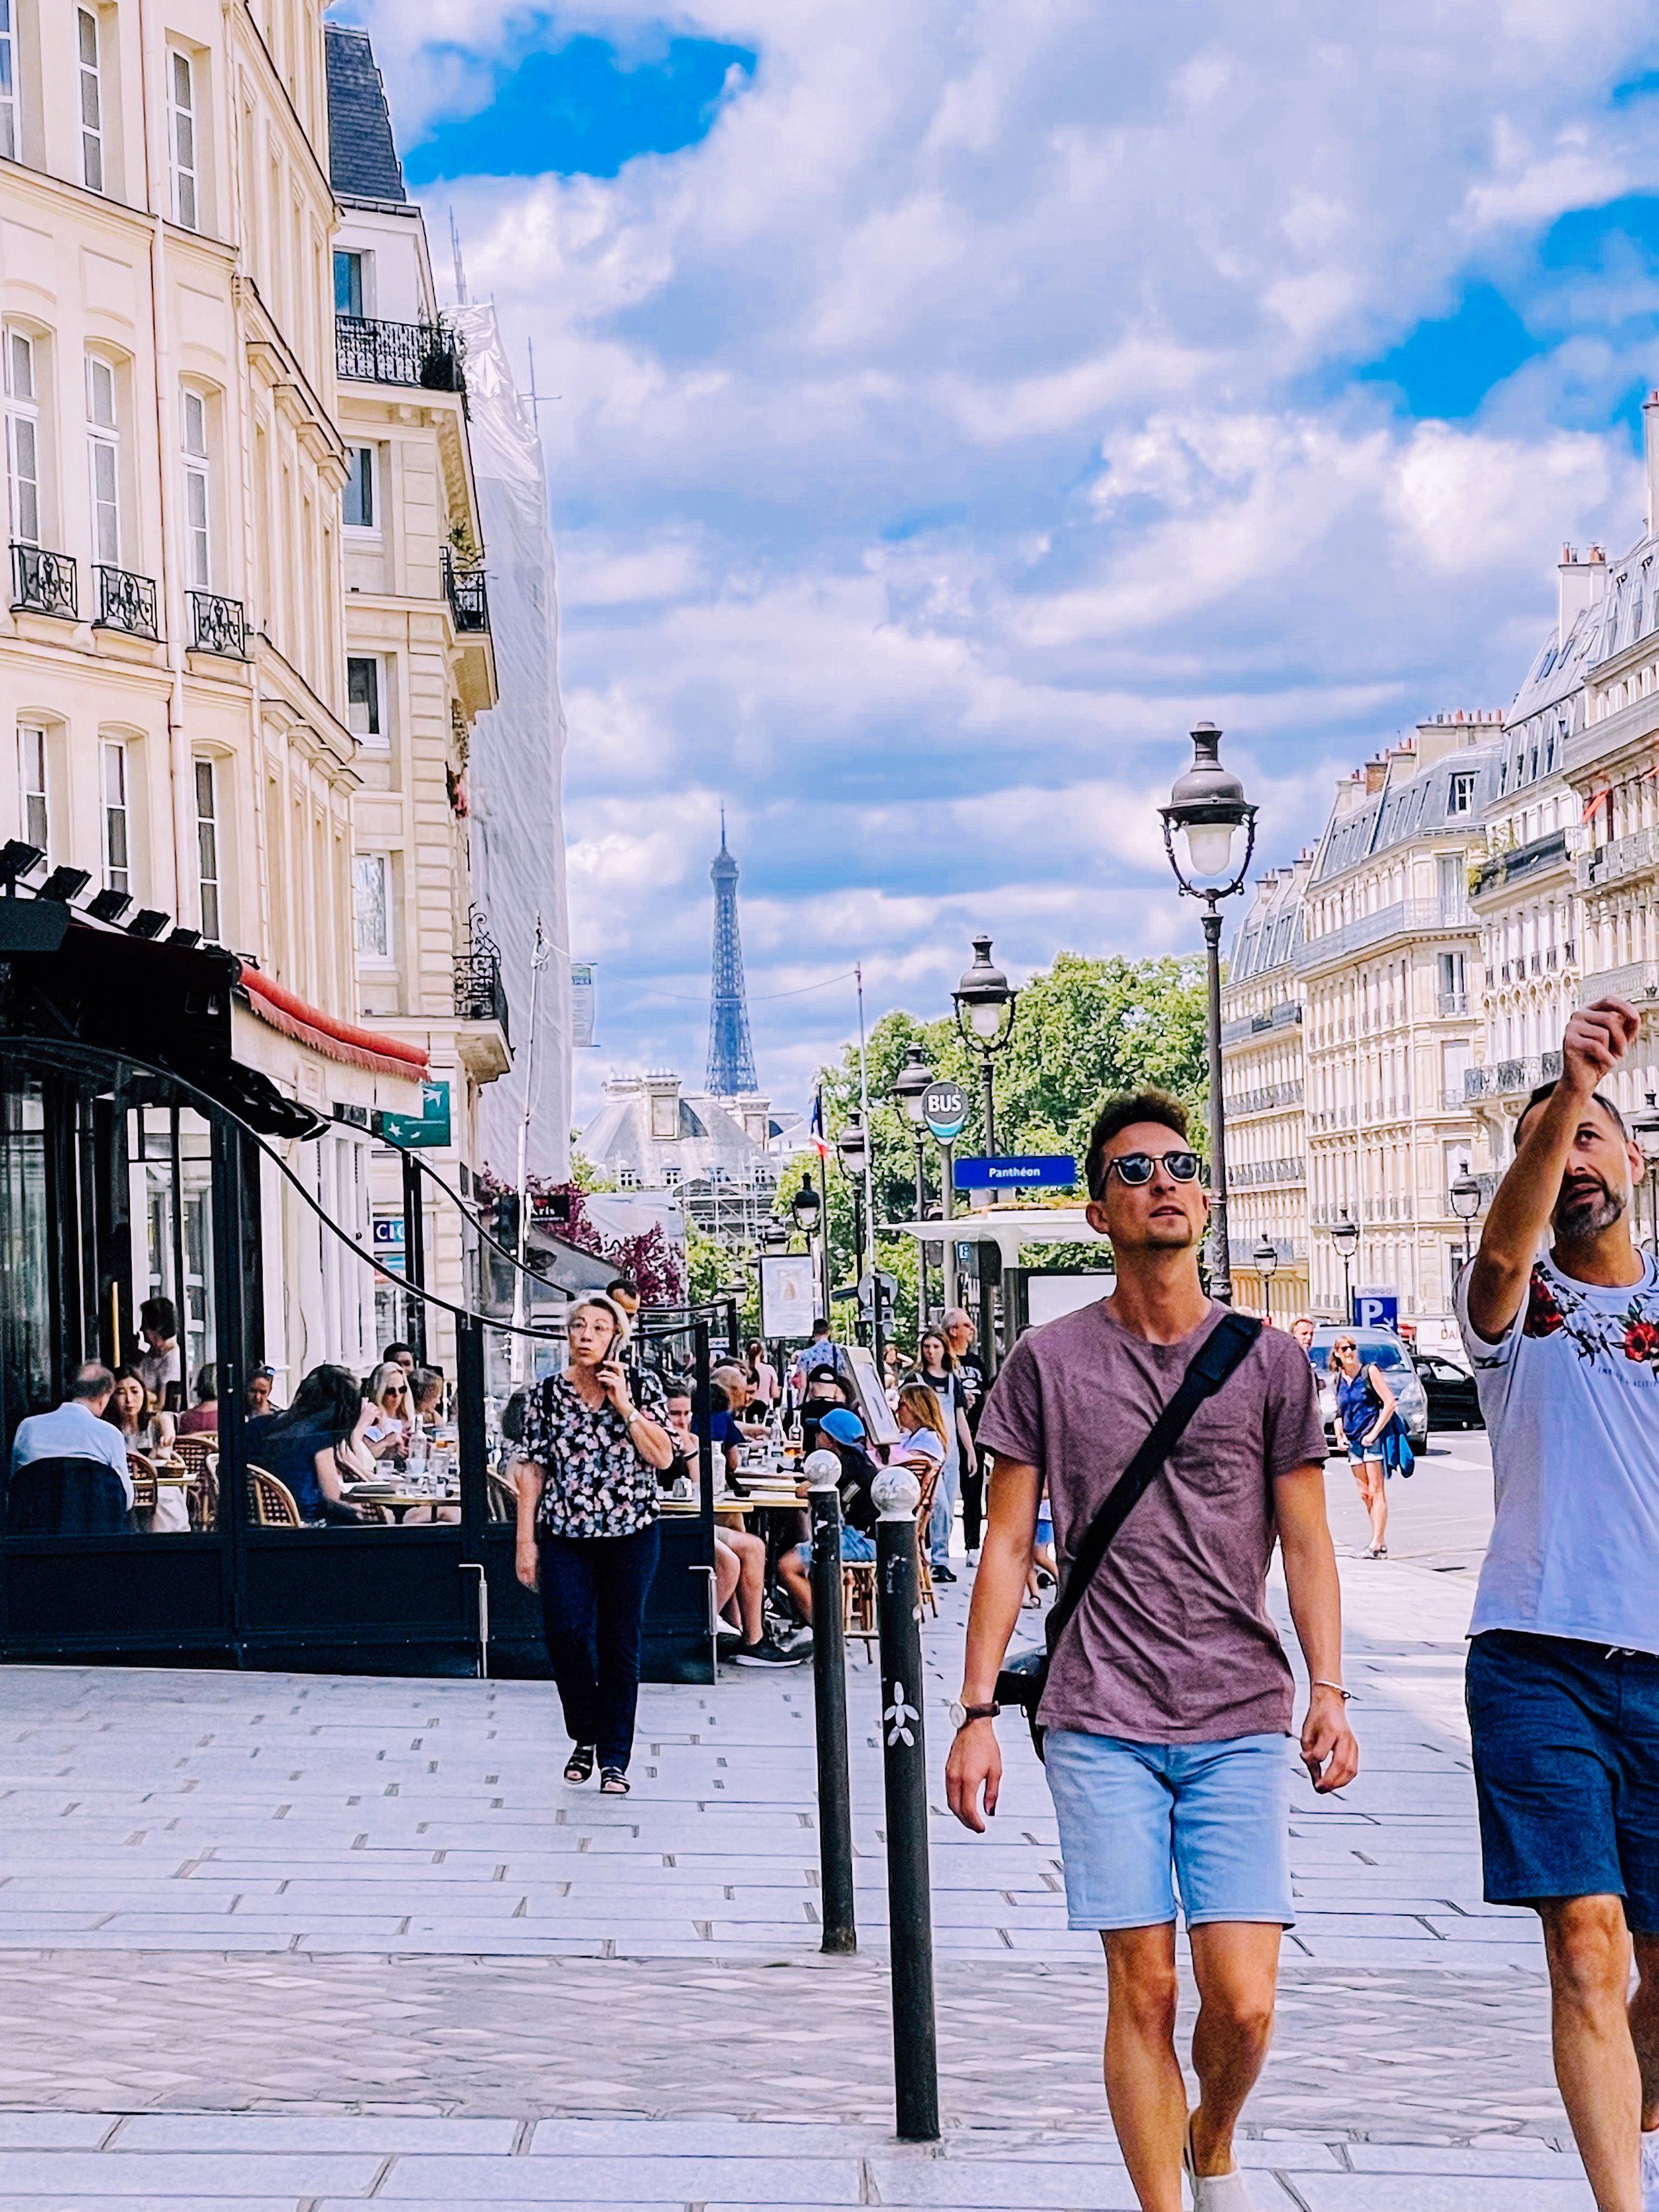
<point>1022,1684</point>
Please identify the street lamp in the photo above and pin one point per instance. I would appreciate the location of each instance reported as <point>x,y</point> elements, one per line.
<point>1465,1197</point>
<point>1207,812</point>
<point>1266,1256</point>
<point>1344,1235</point>
<point>1644,1127</point>
<point>984,1001</point>
<point>853,1146</point>
<point>910,1088</point>
<point>805,1206</point>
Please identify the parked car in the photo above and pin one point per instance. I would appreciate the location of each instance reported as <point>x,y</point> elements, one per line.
<point>1379,1348</point>
<point>1454,1402</point>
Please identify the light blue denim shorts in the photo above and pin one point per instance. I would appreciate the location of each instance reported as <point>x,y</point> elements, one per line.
<point>1138,1819</point>
<point>856,1546</point>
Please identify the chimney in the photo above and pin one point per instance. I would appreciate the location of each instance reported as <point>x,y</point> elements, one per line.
<point>1377,773</point>
<point>1583,582</point>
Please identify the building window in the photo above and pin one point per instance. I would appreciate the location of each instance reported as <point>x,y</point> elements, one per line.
<point>363,697</point>
<point>10,139</point>
<point>628,1178</point>
<point>348,283</point>
<point>373,907</point>
<point>118,843</point>
<point>1462,792</point>
<point>104,461</point>
<point>186,202</point>
<point>199,551</point>
<point>207,847</point>
<point>22,439</point>
<point>91,102</point>
<point>359,493</point>
<point>32,780</point>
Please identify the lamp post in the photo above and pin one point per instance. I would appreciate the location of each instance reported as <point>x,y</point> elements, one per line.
<point>1344,1235</point>
<point>1207,812</point>
<point>910,1090</point>
<point>1266,1256</point>
<point>806,1212</point>
<point>853,1147</point>
<point>984,1000</point>
<point>1644,1127</point>
<point>1464,1199</point>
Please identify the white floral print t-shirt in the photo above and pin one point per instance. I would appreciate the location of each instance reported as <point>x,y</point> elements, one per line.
<point>1571,1397</point>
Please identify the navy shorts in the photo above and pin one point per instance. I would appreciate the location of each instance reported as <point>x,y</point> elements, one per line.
<point>1567,1771</point>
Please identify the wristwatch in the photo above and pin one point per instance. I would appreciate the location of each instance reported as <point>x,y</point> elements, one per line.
<point>960,1714</point>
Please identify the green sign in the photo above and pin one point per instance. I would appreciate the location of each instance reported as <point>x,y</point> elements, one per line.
<point>429,1128</point>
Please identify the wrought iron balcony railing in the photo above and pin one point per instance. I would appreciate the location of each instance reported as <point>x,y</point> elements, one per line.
<point>423,354</point>
<point>43,583</point>
<point>125,602</point>
<point>217,625</point>
<point>1506,1077</point>
<point>479,993</point>
<point>469,602</point>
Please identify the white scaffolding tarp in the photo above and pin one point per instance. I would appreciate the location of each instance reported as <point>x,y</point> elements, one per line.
<point>515,774</point>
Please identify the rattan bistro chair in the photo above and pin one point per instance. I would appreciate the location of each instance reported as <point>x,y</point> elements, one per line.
<point>270,1503</point>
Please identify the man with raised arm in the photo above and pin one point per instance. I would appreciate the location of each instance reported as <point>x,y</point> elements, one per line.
<point>1168,1696</point>
<point>1563,1662</point>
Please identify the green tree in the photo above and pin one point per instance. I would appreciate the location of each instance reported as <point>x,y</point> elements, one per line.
<point>1083,1030</point>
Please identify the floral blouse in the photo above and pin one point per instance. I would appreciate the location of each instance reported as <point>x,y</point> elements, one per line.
<point>595,1483</point>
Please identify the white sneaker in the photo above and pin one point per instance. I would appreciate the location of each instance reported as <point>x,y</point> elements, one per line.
<point>1216,2192</point>
<point>1650,2170</point>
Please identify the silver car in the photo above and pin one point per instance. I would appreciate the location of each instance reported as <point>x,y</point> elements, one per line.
<point>1382,1349</point>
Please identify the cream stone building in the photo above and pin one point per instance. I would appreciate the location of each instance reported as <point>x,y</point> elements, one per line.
<point>174,653</point>
<point>419,661</point>
<point>1262,1075</point>
<point>1390,1000</point>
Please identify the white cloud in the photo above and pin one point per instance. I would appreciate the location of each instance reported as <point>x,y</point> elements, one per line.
<point>969,413</point>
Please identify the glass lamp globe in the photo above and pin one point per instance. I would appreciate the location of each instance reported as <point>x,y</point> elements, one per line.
<point>1209,848</point>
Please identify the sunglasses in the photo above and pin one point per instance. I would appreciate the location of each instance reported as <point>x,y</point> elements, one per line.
<point>1136,1168</point>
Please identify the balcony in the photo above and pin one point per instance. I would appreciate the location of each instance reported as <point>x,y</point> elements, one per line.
<point>1507,1079</point>
<point>425,354</point>
<point>1259,1175</point>
<point>469,602</point>
<point>125,602</point>
<point>1615,863</point>
<point>43,583</point>
<point>1285,1015</point>
<point>1453,1002</point>
<point>217,625</point>
<point>1506,868</point>
<point>1263,1100</point>
<point>480,995</point>
<point>1405,917</point>
<point>1638,981</point>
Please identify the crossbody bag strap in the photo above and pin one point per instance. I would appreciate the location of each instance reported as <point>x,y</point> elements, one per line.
<point>1213,1362</point>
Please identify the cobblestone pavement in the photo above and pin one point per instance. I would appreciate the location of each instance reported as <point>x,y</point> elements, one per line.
<point>285,1942</point>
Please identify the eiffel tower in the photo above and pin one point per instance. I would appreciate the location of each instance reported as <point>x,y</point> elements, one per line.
<point>731,1054</point>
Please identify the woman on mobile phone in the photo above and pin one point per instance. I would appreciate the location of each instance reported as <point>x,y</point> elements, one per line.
<point>587,1478</point>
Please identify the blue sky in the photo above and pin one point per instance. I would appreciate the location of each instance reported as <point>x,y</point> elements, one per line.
<point>957,402</point>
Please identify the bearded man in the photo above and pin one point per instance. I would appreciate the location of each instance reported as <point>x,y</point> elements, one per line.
<point>1563,1681</point>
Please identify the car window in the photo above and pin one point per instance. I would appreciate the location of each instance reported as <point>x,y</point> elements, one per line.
<point>1383,1352</point>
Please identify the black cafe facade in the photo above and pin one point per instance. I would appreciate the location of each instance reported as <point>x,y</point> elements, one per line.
<point>139,1155</point>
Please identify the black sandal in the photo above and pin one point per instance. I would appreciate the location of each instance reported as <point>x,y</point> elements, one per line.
<point>613,1783</point>
<point>579,1764</point>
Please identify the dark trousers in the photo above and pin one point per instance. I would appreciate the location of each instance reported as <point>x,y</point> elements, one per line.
<point>594,1595</point>
<point>973,1506</point>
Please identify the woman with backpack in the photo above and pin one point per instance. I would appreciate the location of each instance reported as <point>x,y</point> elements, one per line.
<point>1365,1408</point>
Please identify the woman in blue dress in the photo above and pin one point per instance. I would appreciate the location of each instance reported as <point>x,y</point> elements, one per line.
<point>1364,1407</point>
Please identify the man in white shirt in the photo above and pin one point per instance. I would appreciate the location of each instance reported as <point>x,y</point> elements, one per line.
<point>77,1429</point>
<point>1562,1682</point>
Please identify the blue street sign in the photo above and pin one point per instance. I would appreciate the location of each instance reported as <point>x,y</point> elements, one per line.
<point>1036,1171</point>
<point>1376,1309</point>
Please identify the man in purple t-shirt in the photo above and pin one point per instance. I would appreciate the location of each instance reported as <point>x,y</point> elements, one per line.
<point>1169,1697</point>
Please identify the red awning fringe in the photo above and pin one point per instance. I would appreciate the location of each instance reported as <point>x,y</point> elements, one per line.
<point>285,1010</point>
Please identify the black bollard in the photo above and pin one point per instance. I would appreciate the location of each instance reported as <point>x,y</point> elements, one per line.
<point>822,1472</point>
<point>904,1764</point>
